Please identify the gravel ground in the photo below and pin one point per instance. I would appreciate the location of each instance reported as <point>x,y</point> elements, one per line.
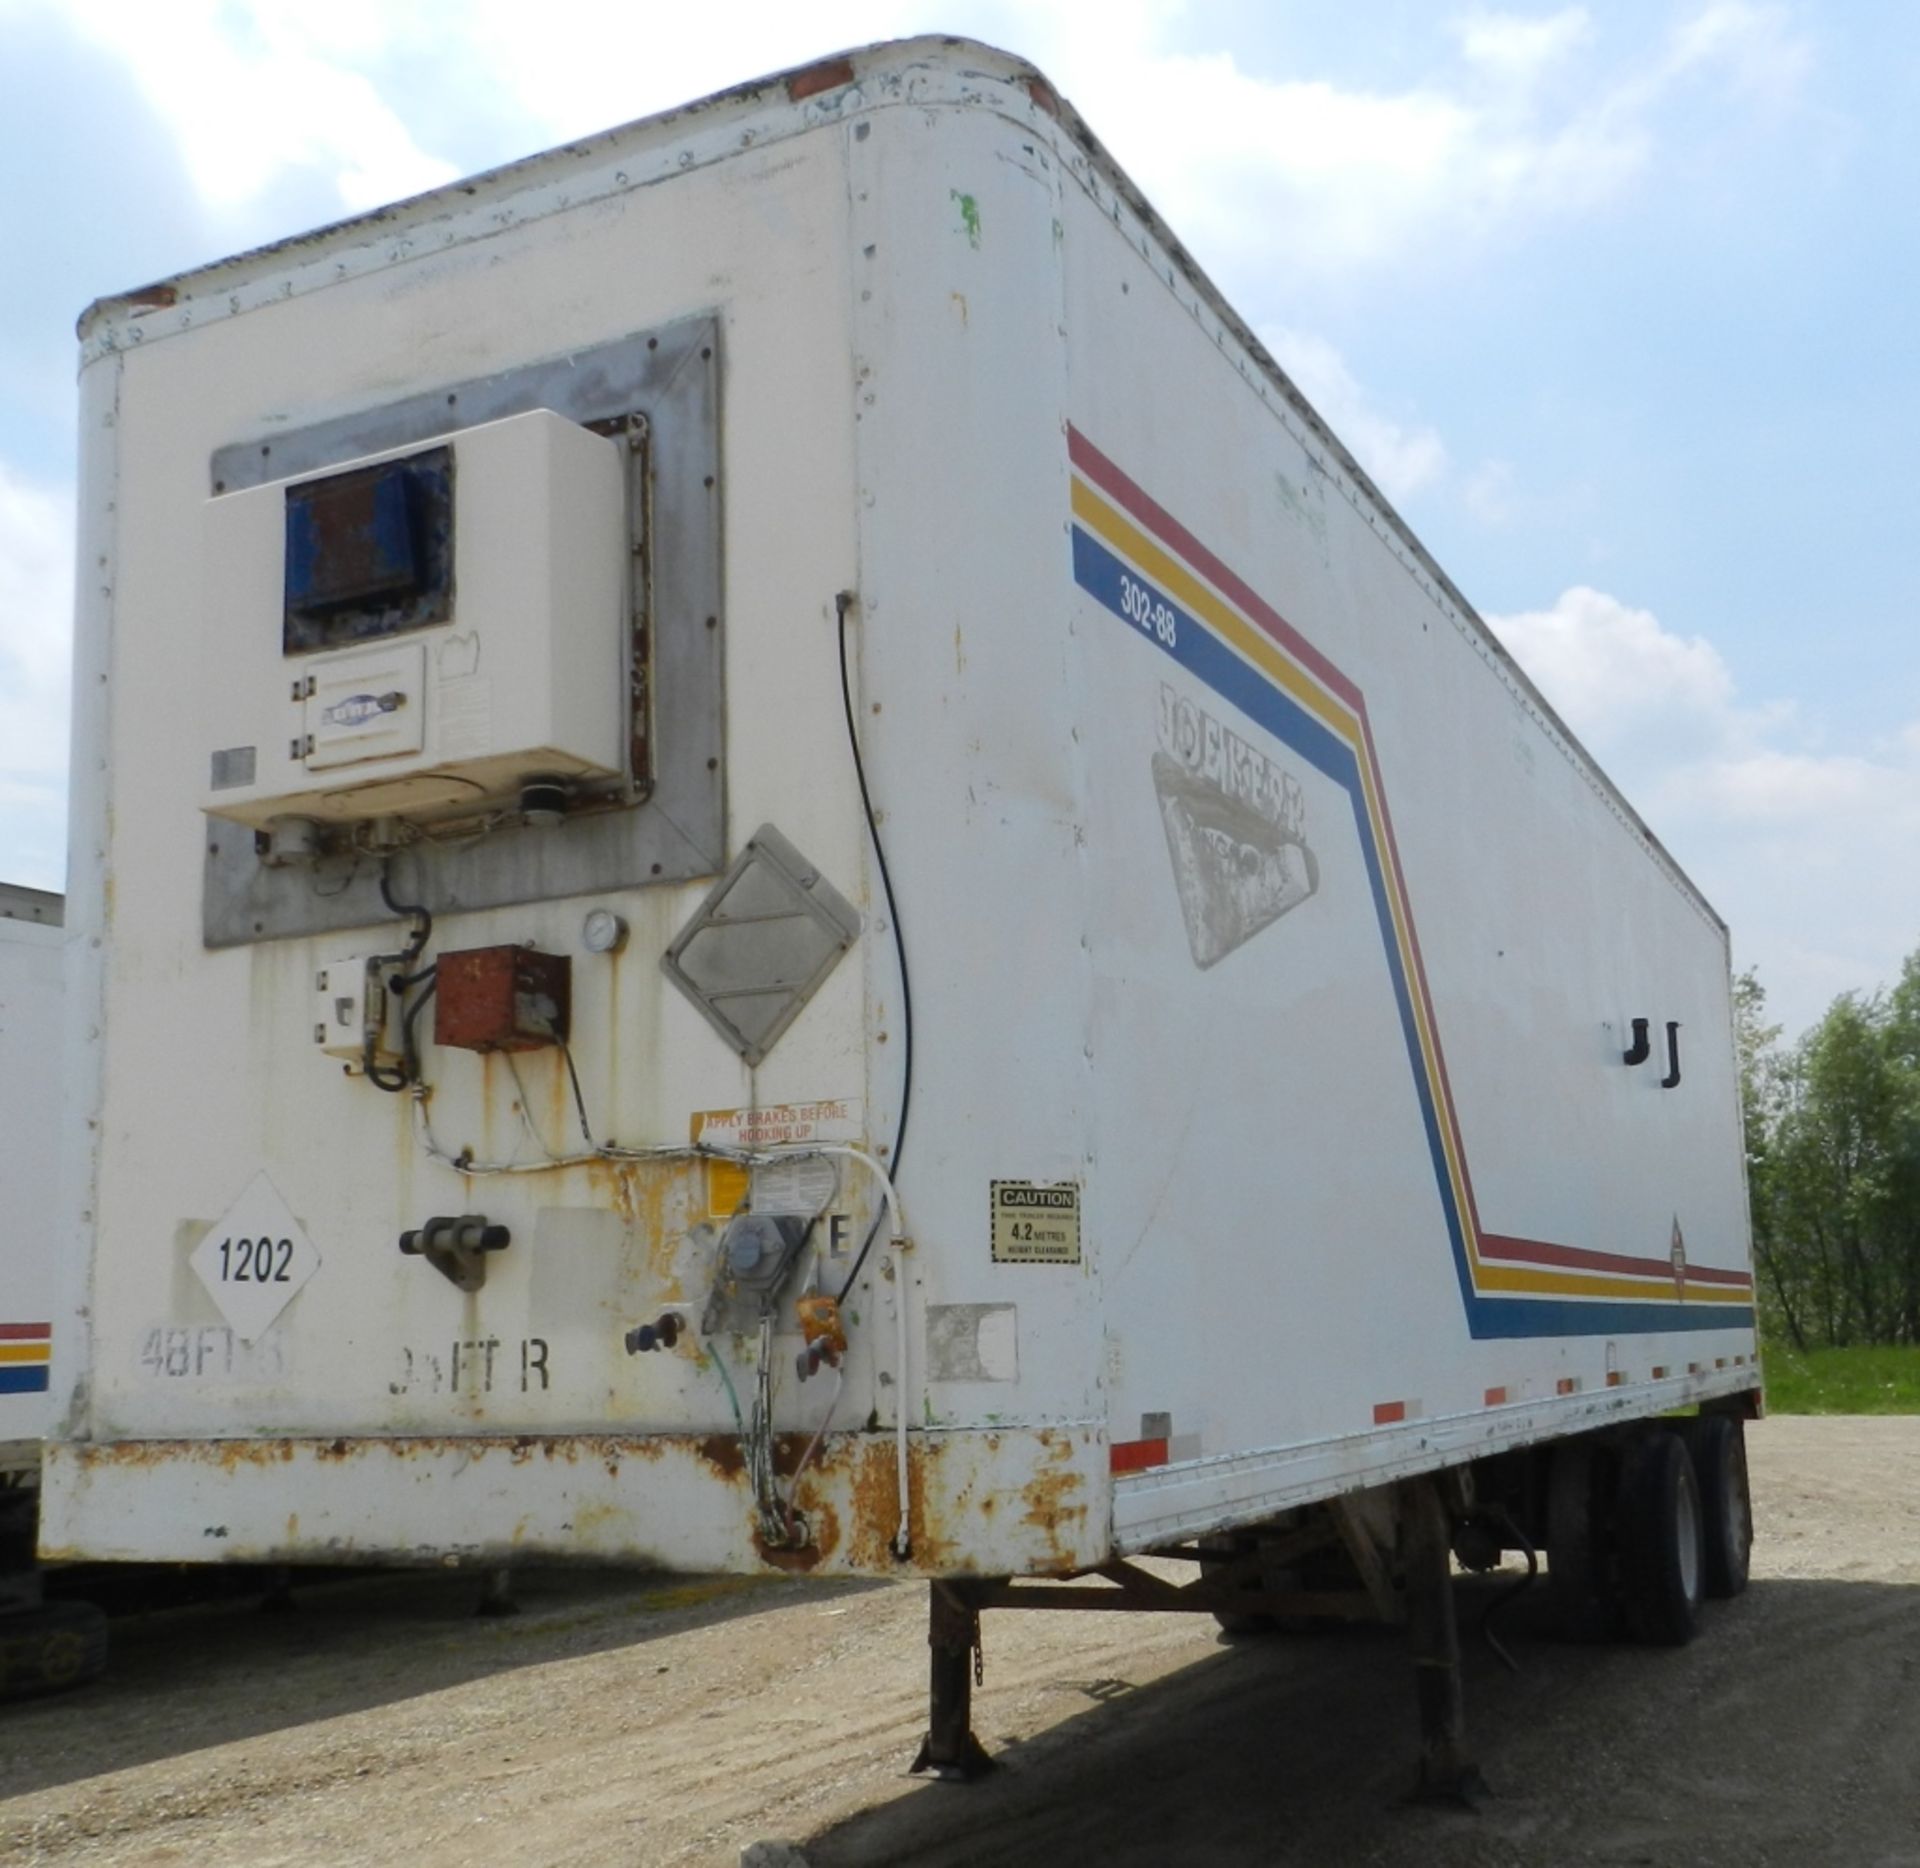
<point>635,1720</point>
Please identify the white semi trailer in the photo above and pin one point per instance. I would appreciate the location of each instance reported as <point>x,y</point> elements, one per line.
<point>44,1645</point>
<point>35,1295</point>
<point>779,868</point>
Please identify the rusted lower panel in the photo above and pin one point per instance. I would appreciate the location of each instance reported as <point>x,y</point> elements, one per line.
<point>1027,1502</point>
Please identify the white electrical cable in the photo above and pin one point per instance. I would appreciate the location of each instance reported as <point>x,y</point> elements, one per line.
<point>902,1539</point>
<point>690,1151</point>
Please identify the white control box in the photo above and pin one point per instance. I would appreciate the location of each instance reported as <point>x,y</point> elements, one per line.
<point>355,1017</point>
<point>418,631</point>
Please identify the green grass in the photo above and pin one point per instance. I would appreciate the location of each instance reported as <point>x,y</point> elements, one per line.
<point>1842,1381</point>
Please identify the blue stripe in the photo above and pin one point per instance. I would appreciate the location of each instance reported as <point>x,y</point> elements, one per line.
<point>1196,648</point>
<point>23,1378</point>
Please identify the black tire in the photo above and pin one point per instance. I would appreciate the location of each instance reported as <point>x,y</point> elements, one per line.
<point>1662,1551</point>
<point>1581,1594</point>
<point>50,1647</point>
<point>1717,1445</point>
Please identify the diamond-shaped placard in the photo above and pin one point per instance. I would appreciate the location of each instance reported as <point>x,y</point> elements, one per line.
<point>254,1260</point>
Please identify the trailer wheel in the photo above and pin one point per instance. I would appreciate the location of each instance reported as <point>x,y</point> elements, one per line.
<point>1580,1585</point>
<point>1717,1445</point>
<point>1662,1550</point>
<point>50,1647</point>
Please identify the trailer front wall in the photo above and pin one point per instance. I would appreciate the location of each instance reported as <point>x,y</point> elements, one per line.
<point>208,1075</point>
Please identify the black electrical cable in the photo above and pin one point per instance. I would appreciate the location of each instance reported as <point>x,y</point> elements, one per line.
<point>579,1101</point>
<point>842,604</point>
<point>410,1049</point>
<point>422,919</point>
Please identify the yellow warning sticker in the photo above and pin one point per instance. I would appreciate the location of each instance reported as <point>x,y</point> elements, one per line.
<point>778,1126</point>
<point>1036,1223</point>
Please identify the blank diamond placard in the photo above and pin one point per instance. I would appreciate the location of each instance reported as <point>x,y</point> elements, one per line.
<point>771,929</point>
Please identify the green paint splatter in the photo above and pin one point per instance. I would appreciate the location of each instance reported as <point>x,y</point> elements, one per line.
<point>969,215</point>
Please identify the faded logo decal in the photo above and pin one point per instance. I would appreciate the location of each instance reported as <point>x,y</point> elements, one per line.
<point>1236,830</point>
<point>358,709</point>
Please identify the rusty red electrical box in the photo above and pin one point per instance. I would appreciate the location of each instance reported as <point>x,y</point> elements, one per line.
<point>502,999</point>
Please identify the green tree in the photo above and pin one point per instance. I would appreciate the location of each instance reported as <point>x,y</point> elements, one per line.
<point>1833,1154</point>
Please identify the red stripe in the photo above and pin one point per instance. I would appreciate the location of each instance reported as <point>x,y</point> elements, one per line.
<point>26,1332</point>
<point>1496,1397</point>
<point>1385,1413</point>
<point>1420,970</point>
<point>1141,506</point>
<point>1536,1252</point>
<point>1133,1455</point>
<point>1155,517</point>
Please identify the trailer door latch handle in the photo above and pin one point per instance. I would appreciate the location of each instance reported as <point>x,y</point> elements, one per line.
<point>1671,1081</point>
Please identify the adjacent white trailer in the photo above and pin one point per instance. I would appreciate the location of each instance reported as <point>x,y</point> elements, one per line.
<point>36,1253</point>
<point>518,621</point>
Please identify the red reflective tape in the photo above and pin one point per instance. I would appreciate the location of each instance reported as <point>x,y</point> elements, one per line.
<point>1385,1413</point>
<point>1614,1378</point>
<point>1496,1397</point>
<point>26,1332</point>
<point>1566,1385</point>
<point>1659,1373</point>
<point>1135,1455</point>
<point>1576,1257</point>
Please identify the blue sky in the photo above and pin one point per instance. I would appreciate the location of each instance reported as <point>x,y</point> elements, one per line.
<point>1618,303</point>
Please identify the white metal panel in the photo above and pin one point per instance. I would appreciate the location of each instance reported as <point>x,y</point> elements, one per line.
<point>38,1285</point>
<point>222,1041</point>
<point>1400,1171</point>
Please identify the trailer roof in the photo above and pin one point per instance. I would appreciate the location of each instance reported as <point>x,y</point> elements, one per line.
<point>18,903</point>
<point>763,109</point>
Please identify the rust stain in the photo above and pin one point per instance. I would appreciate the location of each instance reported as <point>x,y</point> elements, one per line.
<point>828,75</point>
<point>723,1453</point>
<point>152,298</point>
<point>848,1494</point>
<point>1048,1497</point>
<point>1044,95</point>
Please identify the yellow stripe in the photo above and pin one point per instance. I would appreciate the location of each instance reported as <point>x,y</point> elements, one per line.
<point>1255,646</point>
<point>25,1352</point>
<point>1586,1284</point>
<point>1125,536</point>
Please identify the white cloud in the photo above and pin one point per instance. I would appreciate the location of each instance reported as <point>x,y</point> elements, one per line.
<point>1519,47</point>
<point>1401,458</point>
<point>252,92</point>
<point>36,585</point>
<point>1315,177</point>
<point>1616,675</point>
<point>1521,126</point>
<point>1801,848</point>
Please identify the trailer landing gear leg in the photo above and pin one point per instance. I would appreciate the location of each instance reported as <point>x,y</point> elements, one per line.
<point>1447,1774</point>
<point>950,1750</point>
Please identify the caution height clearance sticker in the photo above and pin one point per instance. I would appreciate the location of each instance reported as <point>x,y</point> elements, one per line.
<point>1036,1223</point>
